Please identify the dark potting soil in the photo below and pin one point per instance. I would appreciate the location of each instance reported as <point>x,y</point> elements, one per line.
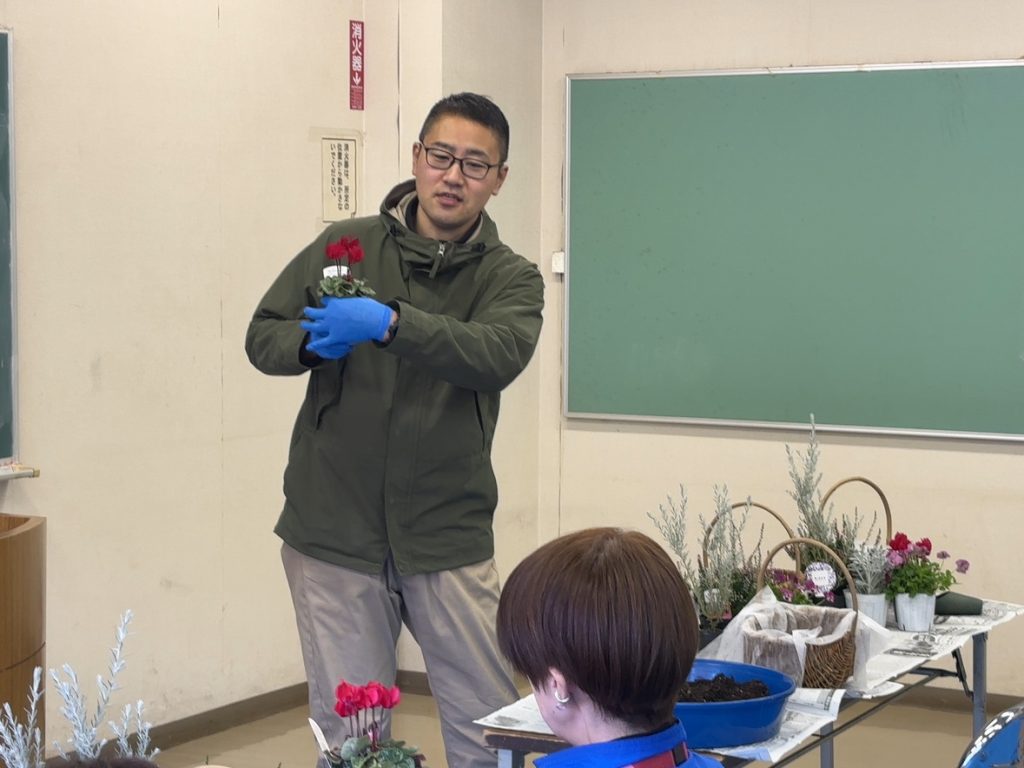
<point>722,687</point>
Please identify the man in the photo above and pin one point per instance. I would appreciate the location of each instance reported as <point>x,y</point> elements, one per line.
<point>389,489</point>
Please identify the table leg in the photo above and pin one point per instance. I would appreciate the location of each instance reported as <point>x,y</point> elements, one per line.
<point>980,682</point>
<point>509,758</point>
<point>827,756</point>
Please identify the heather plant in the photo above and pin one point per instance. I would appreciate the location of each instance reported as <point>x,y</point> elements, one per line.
<point>21,743</point>
<point>724,580</point>
<point>814,521</point>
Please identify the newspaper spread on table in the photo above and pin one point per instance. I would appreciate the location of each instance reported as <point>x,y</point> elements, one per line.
<point>809,710</point>
<point>908,650</point>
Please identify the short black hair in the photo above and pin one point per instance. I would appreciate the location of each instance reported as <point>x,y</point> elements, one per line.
<point>609,610</point>
<point>475,107</point>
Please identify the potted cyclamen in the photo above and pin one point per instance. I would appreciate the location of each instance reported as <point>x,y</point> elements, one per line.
<point>361,706</point>
<point>916,579</point>
<point>338,281</point>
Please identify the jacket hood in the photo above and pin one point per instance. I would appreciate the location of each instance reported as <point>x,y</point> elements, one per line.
<point>425,253</point>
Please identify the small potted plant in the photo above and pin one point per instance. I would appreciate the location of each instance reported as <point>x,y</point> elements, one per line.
<point>915,579</point>
<point>869,566</point>
<point>362,706</point>
<point>338,281</point>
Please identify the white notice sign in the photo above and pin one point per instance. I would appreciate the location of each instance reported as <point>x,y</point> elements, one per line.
<point>339,178</point>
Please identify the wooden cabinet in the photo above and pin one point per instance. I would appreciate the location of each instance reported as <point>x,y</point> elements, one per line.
<point>22,606</point>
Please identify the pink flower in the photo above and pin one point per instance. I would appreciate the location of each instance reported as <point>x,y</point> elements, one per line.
<point>374,694</point>
<point>962,566</point>
<point>393,697</point>
<point>895,558</point>
<point>350,699</point>
<point>942,554</point>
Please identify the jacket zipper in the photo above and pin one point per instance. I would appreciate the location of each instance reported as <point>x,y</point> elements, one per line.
<point>439,261</point>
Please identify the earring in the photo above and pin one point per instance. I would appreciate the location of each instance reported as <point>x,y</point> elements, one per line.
<point>560,702</point>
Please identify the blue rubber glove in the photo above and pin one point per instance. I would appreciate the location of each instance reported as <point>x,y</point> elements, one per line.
<point>327,350</point>
<point>348,321</point>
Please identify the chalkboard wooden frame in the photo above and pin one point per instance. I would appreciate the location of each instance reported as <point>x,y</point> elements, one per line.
<point>8,334</point>
<point>638,307</point>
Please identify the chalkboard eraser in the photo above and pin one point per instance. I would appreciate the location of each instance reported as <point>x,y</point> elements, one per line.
<point>558,263</point>
<point>14,469</point>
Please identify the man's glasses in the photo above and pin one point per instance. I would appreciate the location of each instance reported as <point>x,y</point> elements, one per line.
<point>442,160</point>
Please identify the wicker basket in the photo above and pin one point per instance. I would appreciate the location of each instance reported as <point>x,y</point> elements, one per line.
<point>828,665</point>
<point>885,501</point>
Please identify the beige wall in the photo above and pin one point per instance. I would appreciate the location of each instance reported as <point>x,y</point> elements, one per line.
<point>965,495</point>
<point>167,165</point>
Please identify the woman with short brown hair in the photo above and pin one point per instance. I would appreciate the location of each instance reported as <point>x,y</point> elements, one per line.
<point>602,625</point>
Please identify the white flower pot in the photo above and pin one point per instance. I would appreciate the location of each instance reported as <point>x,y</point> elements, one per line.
<point>915,614</point>
<point>873,606</point>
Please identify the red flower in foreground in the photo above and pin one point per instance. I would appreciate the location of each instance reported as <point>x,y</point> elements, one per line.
<point>374,694</point>
<point>350,699</point>
<point>347,248</point>
<point>900,542</point>
<point>925,545</point>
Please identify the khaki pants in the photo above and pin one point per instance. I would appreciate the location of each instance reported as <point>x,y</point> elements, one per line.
<point>349,624</point>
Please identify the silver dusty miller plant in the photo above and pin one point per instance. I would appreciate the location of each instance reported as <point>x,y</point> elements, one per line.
<point>21,744</point>
<point>869,563</point>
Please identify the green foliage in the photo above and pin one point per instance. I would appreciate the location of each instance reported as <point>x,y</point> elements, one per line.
<point>920,576</point>
<point>357,752</point>
<point>343,286</point>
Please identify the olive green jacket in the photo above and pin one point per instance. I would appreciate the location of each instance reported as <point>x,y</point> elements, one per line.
<point>391,449</point>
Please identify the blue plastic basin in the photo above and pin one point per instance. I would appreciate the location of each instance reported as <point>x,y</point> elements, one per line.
<point>731,723</point>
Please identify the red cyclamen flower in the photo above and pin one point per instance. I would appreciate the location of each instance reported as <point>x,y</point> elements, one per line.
<point>350,699</point>
<point>900,542</point>
<point>374,694</point>
<point>393,697</point>
<point>347,248</point>
<point>925,545</point>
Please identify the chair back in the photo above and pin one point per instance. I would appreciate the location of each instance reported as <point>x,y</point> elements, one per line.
<point>1000,745</point>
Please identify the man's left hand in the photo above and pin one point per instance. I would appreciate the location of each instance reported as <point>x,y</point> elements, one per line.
<point>348,321</point>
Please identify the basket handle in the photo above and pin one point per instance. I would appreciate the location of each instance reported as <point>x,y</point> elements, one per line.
<point>737,505</point>
<point>885,501</point>
<point>818,545</point>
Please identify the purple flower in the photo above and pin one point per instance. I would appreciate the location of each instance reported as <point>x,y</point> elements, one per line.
<point>962,566</point>
<point>830,597</point>
<point>895,558</point>
<point>942,555</point>
<point>787,595</point>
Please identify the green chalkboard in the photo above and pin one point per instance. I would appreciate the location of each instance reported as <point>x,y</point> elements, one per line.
<point>6,260</point>
<point>754,247</point>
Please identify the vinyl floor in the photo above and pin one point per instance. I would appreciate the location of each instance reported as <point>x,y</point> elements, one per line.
<point>901,735</point>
